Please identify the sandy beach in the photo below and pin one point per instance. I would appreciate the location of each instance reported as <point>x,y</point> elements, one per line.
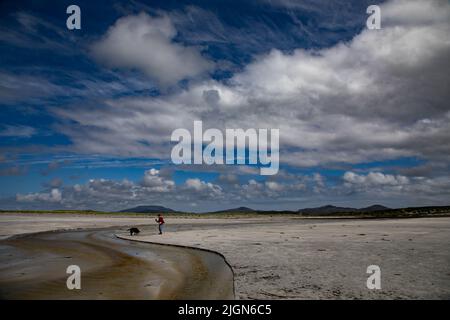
<point>288,258</point>
<point>291,258</point>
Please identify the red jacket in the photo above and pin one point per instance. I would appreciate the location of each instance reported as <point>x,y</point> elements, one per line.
<point>160,220</point>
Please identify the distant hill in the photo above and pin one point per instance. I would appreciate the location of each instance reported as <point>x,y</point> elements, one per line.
<point>239,210</point>
<point>373,208</point>
<point>148,209</point>
<point>329,209</point>
<point>324,210</point>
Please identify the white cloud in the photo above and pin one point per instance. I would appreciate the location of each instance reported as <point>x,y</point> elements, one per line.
<point>156,183</point>
<point>147,43</point>
<point>53,196</point>
<point>106,194</point>
<point>289,189</point>
<point>198,185</point>
<point>415,190</point>
<point>383,95</point>
<point>274,186</point>
<point>375,179</point>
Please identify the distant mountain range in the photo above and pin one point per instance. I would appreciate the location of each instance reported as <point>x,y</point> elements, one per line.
<point>324,210</point>
<point>148,209</point>
<point>376,211</point>
<point>329,209</point>
<point>239,210</point>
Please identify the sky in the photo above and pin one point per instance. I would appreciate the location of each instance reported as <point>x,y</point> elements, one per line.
<point>87,115</point>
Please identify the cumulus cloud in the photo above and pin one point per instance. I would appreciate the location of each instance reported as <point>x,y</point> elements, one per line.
<point>415,190</point>
<point>107,194</point>
<point>154,182</point>
<point>375,179</point>
<point>147,43</point>
<point>207,188</point>
<point>53,196</point>
<point>274,186</point>
<point>291,189</point>
<point>382,95</point>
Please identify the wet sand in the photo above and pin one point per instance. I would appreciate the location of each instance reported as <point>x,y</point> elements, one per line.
<point>34,267</point>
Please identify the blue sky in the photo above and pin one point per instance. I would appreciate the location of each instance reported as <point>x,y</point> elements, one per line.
<point>87,114</point>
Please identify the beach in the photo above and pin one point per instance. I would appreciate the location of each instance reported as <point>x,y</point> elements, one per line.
<point>289,258</point>
<point>285,257</point>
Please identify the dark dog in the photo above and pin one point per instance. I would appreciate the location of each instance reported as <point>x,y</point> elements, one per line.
<point>133,231</point>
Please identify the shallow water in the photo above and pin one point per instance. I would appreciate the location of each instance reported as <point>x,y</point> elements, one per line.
<point>34,267</point>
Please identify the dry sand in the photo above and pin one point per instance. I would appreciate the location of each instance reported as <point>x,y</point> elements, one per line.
<point>12,224</point>
<point>291,258</point>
